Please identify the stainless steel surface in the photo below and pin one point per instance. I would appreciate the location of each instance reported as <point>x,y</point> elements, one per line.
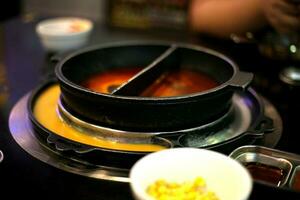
<point>284,160</point>
<point>266,151</point>
<point>241,113</point>
<point>22,133</point>
<point>290,75</point>
<point>238,112</point>
<point>117,135</point>
<point>294,176</point>
<point>1,156</point>
<point>253,157</point>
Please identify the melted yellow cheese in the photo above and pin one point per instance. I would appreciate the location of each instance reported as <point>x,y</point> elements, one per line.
<point>45,113</point>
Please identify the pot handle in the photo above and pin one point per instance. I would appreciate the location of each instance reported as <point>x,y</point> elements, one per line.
<point>252,135</point>
<point>264,126</point>
<point>241,80</point>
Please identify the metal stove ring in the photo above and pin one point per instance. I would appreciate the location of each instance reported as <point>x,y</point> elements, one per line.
<point>27,140</point>
<point>132,137</point>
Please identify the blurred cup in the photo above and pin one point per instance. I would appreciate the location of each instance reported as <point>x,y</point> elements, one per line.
<point>63,34</point>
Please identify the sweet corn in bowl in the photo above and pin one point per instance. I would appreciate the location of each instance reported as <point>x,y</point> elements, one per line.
<point>189,174</point>
<point>189,190</point>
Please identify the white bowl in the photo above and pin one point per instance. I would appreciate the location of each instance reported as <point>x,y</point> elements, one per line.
<point>226,177</point>
<point>61,34</point>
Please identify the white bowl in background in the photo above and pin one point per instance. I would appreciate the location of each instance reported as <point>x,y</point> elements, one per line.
<point>65,33</point>
<point>226,177</point>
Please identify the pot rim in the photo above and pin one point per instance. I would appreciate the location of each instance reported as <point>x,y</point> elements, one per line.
<point>228,83</point>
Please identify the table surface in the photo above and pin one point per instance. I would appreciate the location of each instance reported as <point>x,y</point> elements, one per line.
<point>26,65</point>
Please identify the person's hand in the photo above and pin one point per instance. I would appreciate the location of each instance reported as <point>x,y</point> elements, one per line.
<point>283,15</point>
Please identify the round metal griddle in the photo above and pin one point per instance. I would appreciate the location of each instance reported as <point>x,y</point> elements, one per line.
<point>22,131</point>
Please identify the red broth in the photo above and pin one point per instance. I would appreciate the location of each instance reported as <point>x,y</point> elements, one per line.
<point>173,83</point>
<point>266,173</point>
<point>180,82</point>
<point>107,81</point>
<point>296,181</point>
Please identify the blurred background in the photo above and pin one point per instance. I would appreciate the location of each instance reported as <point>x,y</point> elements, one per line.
<point>132,20</point>
<point>120,13</point>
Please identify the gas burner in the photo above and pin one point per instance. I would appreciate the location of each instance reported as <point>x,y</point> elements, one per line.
<point>249,123</point>
<point>152,96</point>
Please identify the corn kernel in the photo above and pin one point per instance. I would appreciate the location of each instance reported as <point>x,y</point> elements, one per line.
<point>195,190</point>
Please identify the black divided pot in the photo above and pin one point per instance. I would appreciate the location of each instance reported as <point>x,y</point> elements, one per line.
<point>133,112</point>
